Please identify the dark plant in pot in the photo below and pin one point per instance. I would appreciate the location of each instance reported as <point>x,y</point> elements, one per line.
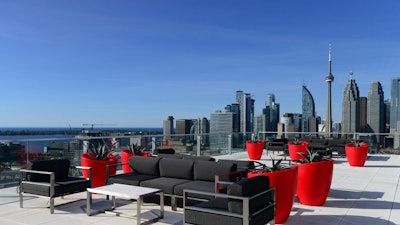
<point>295,147</point>
<point>314,179</point>
<point>284,179</point>
<point>356,152</point>
<point>132,150</point>
<point>255,148</point>
<point>98,157</point>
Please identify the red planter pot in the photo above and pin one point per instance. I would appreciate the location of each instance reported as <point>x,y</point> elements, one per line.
<point>294,149</point>
<point>284,182</point>
<point>255,150</point>
<point>125,155</point>
<point>314,182</point>
<point>99,168</point>
<point>356,156</point>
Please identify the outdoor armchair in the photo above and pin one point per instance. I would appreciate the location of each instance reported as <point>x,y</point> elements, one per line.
<point>50,178</point>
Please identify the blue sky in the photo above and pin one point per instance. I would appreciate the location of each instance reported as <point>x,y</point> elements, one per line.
<point>134,63</point>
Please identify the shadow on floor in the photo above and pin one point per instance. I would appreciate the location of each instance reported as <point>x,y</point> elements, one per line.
<point>349,194</point>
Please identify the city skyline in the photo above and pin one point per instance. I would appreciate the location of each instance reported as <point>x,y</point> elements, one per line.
<point>134,63</point>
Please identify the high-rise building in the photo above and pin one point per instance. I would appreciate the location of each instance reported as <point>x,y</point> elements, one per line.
<point>376,111</point>
<point>271,113</point>
<point>329,79</point>
<point>351,107</point>
<point>363,114</point>
<point>246,105</point>
<point>200,127</point>
<point>221,123</point>
<point>394,104</point>
<point>182,130</point>
<point>308,123</point>
<point>168,127</point>
<point>291,123</point>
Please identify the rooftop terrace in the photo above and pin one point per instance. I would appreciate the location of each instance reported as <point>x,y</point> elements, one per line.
<point>358,195</point>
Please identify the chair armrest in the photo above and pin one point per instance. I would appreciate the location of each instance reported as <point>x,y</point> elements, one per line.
<point>86,168</point>
<point>51,181</point>
<point>218,181</point>
<point>108,169</point>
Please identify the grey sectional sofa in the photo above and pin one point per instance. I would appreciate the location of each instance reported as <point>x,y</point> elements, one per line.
<point>174,175</point>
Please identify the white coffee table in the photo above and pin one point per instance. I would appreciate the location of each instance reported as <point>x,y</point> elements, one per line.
<point>125,192</point>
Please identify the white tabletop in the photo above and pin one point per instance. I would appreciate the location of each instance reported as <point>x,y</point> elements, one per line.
<point>123,190</point>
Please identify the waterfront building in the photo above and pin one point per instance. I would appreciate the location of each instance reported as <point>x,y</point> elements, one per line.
<point>351,107</point>
<point>200,127</point>
<point>308,123</point>
<point>291,123</point>
<point>168,128</point>
<point>182,130</point>
<point>376,111</point>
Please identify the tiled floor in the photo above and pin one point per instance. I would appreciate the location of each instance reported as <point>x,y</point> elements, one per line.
<point>359,195</point>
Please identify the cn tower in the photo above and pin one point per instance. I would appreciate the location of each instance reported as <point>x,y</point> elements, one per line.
<point>329,79</point>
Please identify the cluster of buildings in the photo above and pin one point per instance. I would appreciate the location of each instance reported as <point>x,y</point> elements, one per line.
<point>371,115</point>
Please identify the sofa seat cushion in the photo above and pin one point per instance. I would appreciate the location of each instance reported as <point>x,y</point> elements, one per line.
<point>166,184</point>
<point>130,178</point>
<point>68,186</point>
<point>145,165</point>
<point>176,168</point>
<point>197,185</point>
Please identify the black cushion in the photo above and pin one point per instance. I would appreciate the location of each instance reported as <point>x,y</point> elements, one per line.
<point>247,188</point>
<point>207,170</point>
<point>164,151</point>
<point>176,168</point>
<point>59,166</point>
<point>167,184</point>
<point>198,185</point>
<point>174,156</point>
<point>145,165</point>
<point>241,164</point>
<point>130,178</point>
<point>195,158</point>
<point>69,186</point>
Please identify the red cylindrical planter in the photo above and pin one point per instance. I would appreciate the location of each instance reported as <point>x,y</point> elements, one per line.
<point>356,156</point>
<point>255,150</point>
<point>284,182</point>
<point>125,155</point>
<point>314,182</point>
<point>295,148</point>
<point>99,168</point>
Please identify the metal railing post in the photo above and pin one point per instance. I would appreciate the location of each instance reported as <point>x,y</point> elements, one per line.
<point>198,145</point>
<point>229,144</point>
<point>153,145</point>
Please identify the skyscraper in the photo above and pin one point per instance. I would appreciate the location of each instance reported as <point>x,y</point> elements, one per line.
<point>221,123</point>
<point>376,111</point>
<point>271,113</point>
<point>394,104</point>
<point>329,79</point>
<point>308,111</point>
<point>246,105</point>
<point>351,107</point>
<point>168,127</point>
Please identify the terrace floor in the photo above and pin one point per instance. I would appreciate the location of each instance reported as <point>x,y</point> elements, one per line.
<point>358,195</point>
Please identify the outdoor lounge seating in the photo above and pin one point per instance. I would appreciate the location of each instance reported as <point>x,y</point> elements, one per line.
<point>174,175</point>
<point>248,202</point>
<point>277,144</point>
<point>50,178</point>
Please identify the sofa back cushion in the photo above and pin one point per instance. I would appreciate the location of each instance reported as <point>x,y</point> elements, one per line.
<point>195,158</point>
<point>60,167</point>
<point>145,165</point>
<point>176,168</point>
<point>247,188</point>
<point>207,170</point>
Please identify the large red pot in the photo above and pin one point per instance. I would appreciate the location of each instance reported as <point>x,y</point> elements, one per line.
<point>255,149</point>
<point>284,182</point>
<point>294,150</point>
<point>99,168</point>
<point>356,156</point>
<point>314,182</point>
<point>125,155</point>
